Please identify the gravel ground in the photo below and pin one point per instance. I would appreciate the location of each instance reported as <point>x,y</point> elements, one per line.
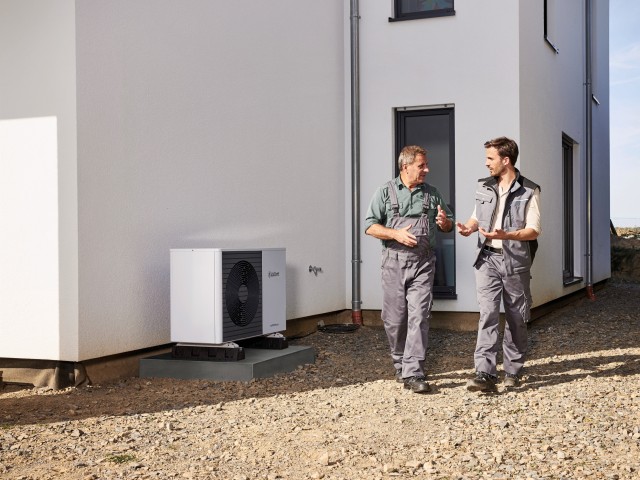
<point>577,414</point>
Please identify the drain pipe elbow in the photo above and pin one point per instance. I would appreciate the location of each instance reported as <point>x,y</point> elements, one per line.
<point>356,317</point>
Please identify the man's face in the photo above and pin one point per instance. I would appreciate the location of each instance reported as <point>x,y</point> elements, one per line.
<point>414,174</point>
<point>496,164</point>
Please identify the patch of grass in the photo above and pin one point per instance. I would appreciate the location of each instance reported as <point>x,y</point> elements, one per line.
<point>123,458</point>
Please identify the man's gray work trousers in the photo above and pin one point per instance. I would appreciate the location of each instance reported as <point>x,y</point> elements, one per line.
<point>407,285</point>
<point>493,282</point>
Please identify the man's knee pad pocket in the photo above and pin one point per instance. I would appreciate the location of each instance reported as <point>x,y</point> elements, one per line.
<point>525,307</point>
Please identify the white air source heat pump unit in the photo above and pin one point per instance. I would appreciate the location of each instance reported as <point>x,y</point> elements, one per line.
<point>220,295</point>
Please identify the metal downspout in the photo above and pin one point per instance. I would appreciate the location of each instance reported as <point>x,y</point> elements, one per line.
<point>356,312</point>
<point>589,149</point>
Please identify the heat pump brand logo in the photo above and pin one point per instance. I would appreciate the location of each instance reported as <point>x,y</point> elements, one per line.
<point>274,274</point>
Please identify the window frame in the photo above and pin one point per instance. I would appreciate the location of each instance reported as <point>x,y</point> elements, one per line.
<point>568,213</point>
<point>399,15</point>
<point>546,29</point>
<point>439,291</point>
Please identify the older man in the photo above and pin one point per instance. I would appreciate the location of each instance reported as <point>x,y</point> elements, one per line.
<point>404,214</point>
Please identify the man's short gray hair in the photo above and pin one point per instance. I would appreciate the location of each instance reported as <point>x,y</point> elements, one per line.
<point>408,155</point>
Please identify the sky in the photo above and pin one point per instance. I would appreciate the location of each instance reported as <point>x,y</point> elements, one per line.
<point>624,70</point>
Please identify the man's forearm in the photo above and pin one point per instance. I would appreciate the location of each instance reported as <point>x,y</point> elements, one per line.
<point>381,232</point>
<point>523,235</point>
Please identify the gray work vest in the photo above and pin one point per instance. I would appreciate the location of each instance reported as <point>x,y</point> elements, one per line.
<point>420,224</point>
<point>518,255</point>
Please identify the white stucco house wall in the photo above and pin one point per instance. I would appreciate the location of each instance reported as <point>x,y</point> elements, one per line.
<point>131,128</point>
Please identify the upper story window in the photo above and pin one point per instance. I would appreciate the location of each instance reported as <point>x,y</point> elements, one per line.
<point>412,9</point>
<point>550,19</point>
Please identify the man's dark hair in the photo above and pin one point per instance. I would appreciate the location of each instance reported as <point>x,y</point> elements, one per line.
<point>505,147</point>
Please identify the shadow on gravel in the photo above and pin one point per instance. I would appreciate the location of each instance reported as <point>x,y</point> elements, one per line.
<point>592,334</point>
<point>569,371</point>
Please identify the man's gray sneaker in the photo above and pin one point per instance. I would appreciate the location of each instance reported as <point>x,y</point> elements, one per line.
<point>417,384</point>
<point>482,382</point>
<point>399,378</point>
<point>511,381</point>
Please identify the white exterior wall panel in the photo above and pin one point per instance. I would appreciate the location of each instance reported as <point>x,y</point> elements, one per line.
<point>503,79</point>
<point>431,62</point>
<point>38,248</point>
<point>205,125</point>
<point>552,103</point>
<point>601,143</point>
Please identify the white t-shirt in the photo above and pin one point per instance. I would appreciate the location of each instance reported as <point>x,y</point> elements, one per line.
<point>532,214</point>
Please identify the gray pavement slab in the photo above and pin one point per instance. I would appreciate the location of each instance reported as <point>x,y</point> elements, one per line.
<point>258,363</point>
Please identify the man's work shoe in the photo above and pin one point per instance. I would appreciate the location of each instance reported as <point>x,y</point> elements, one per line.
<point>482,382</point>
<point>511,381</point>
<point>417,384</point>
<point>399,378</point>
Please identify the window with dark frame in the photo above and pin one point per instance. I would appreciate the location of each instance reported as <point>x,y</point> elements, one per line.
<point>414,9</point>
<point>433,129</point>
<point>568,256</point>
<point>548,20</point>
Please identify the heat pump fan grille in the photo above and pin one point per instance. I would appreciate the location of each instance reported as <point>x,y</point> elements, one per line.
<point>242,273</point>
<point>243,293</point>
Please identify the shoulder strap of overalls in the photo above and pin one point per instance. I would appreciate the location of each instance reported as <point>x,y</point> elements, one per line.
<point>393,197</point>
<point>425,199</point>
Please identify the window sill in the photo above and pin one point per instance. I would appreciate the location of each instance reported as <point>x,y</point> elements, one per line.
<point>567,282</point>
<point>445,296</point>
<point>417,16</point>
